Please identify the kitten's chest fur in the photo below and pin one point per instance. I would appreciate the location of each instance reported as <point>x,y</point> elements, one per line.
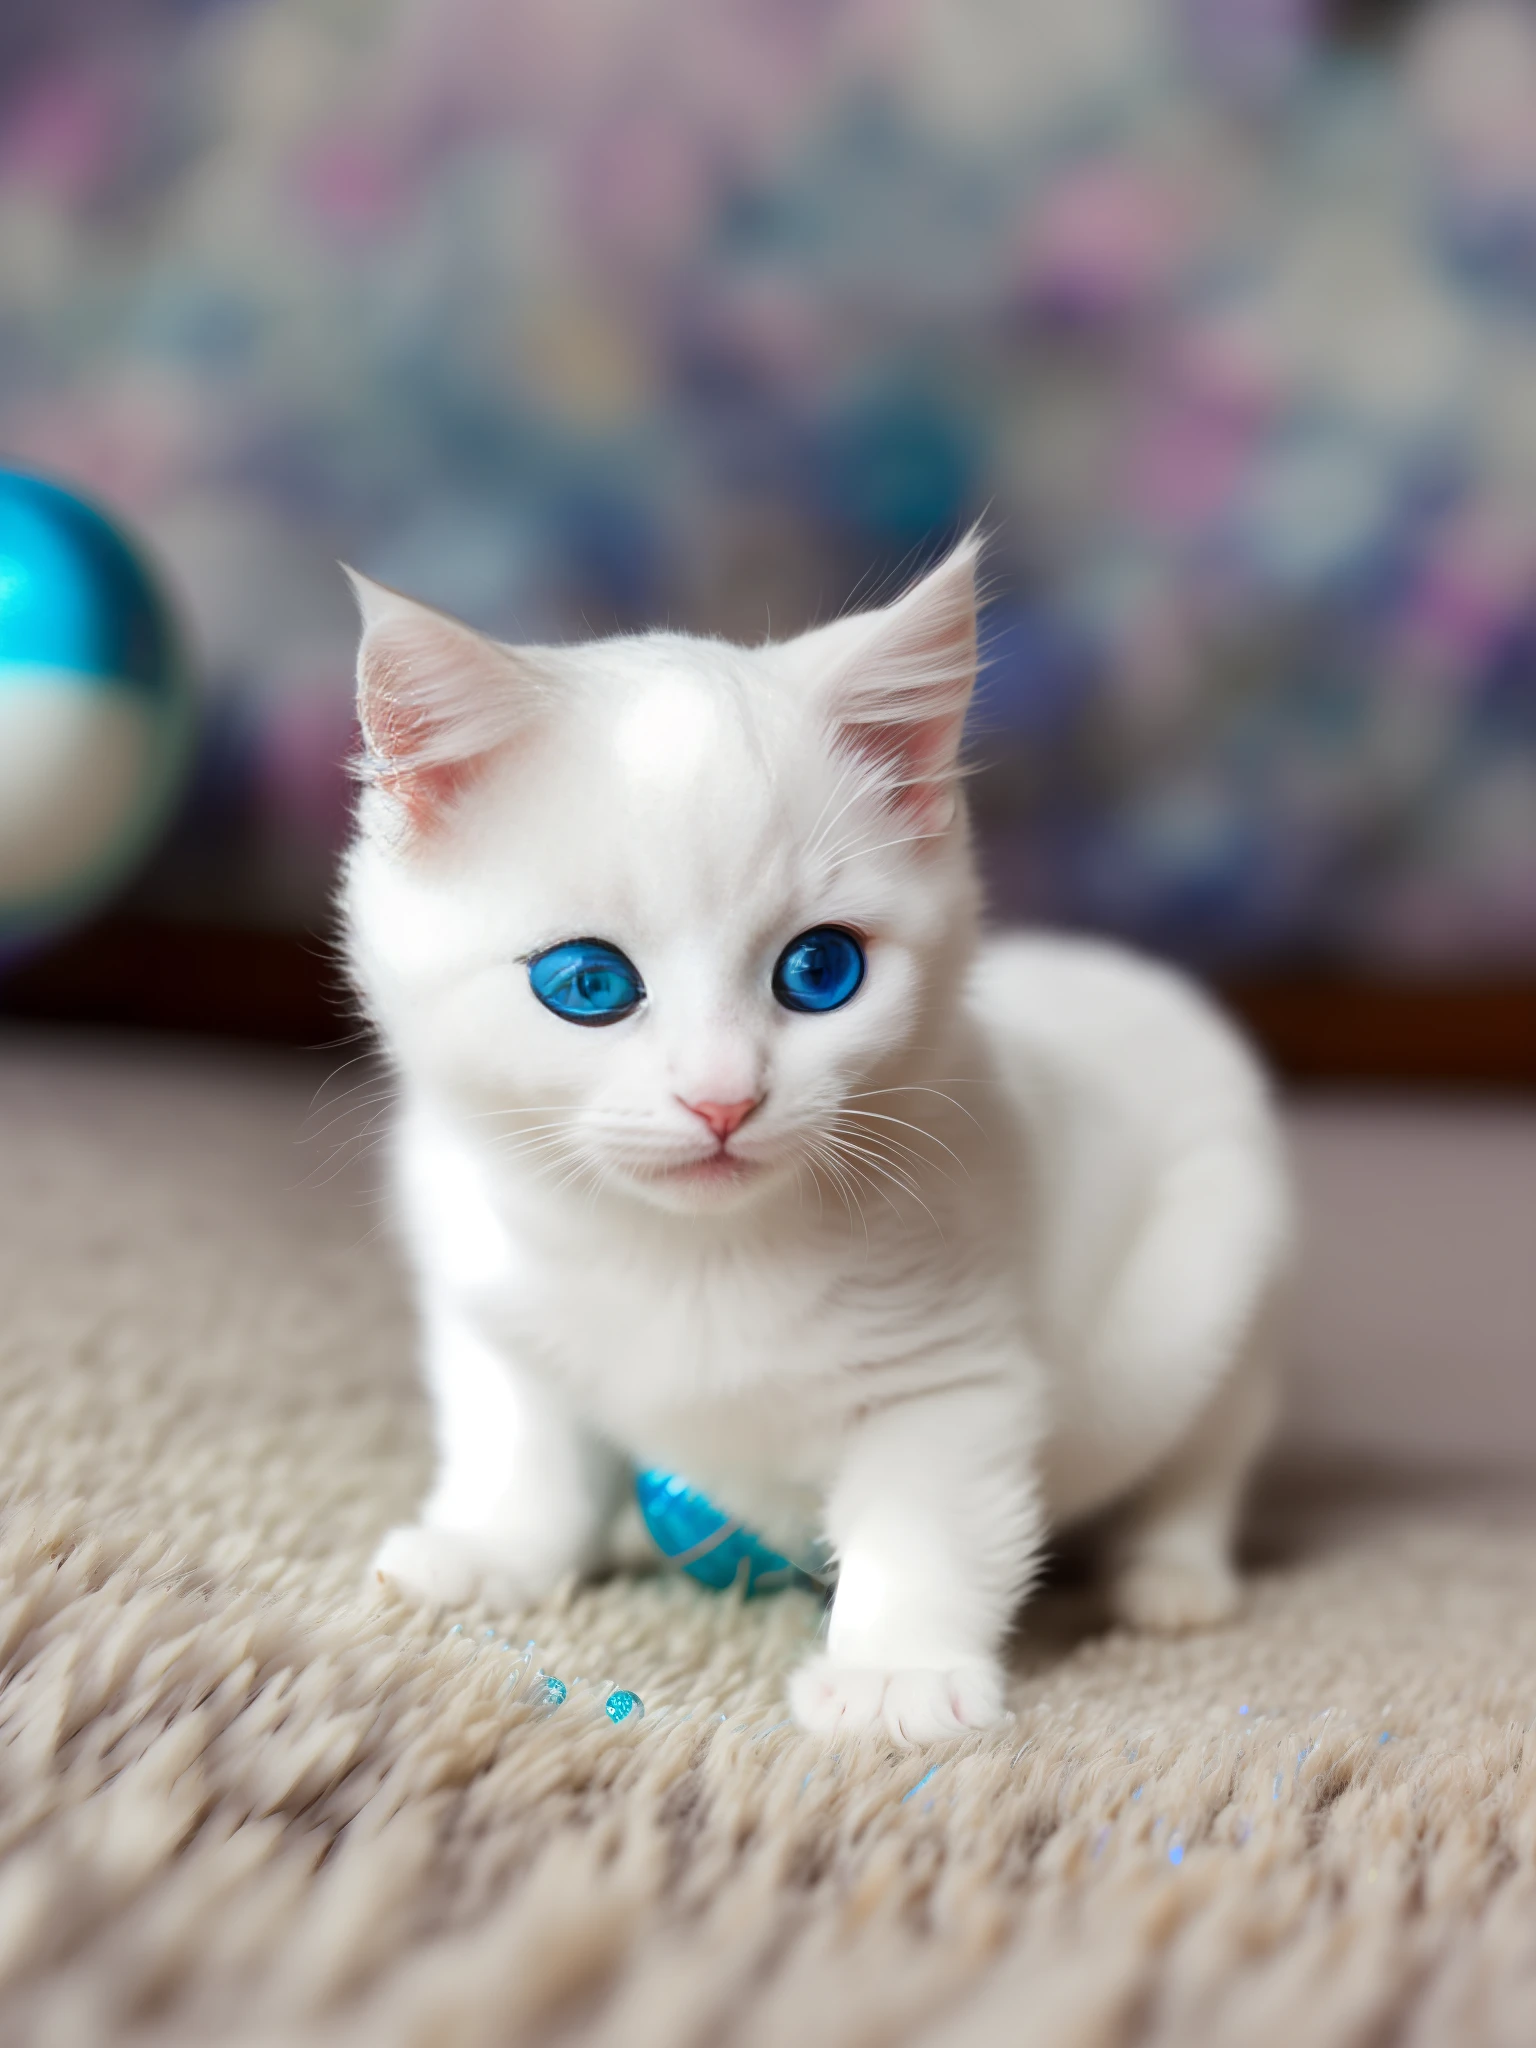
<point>732,1366</point>
<point>701,1365</point>
<point>741,1361</point>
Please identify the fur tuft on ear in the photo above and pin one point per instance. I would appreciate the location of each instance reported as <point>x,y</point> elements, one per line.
<point>434,697</point>
<point>899,696</point>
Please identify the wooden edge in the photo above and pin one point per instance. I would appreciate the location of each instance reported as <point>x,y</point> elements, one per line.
<point>280,987</point>
<point>140,973</point>
<point>1420,1033</point>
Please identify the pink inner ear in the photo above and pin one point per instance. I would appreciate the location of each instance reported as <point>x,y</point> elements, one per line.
<point>434,699</point>
<point>917,760</point>
<point>400,736</point>
<point>903,706</point>
<point>425,794</point>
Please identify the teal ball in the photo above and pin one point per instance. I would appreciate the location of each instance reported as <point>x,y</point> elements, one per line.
<point>94,708</point>
<point>623,1705</point>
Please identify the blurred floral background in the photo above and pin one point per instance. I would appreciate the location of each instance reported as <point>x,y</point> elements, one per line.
<point>1221,312</point>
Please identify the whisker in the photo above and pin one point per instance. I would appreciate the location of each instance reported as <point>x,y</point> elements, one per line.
<point>559,1123</point>
<point>872,1160</point>
<point>369,1128</point>
<point>569,1109</point>
<point>823,1156</point>
<point>894,1147</point>
<point>848,1149</point>
<point>920,1088</point>
<point>933,1138</point>
<point>901,1159</point>
<point>874,1188</point>
<point>366,1054</point>
<point>536,1150</point>
<point>572,1174</point>
<point>341,1162</point>
<point>310,1136</point>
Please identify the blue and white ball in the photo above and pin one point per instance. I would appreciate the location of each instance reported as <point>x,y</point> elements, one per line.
<point>94,709</point>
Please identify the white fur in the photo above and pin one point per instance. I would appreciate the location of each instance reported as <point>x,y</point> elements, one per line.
<point>1010,1229</point>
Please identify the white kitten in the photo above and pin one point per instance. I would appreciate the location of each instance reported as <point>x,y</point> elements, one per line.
<point>934,1260</point>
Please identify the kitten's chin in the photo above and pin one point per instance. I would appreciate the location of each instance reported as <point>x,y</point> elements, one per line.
<point>723,1180</point>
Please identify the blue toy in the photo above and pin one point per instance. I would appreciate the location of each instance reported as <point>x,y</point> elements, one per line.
<point>712,1546</point>
<point>94,709</point>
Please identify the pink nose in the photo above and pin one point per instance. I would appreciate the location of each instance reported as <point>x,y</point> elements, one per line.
<point>724,1117</point>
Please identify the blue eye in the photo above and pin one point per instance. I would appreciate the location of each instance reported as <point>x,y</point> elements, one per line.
<point>586,981</point>
<point>820,970</point>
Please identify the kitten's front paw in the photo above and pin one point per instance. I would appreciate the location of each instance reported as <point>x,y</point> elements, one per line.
<point>1168,1596</point>
<point>450,1568</point>
<point>912,1707</point>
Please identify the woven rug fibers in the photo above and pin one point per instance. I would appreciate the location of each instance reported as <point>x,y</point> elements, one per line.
<point>241,1803</point>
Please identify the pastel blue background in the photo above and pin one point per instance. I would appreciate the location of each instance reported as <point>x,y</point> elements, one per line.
<point>716,314</point>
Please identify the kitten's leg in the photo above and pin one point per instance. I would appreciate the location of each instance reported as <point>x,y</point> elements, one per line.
<point>1194,1307</point>
<point>936,1523</point>
<point>1171,1549</point>
<point>522,1495</point>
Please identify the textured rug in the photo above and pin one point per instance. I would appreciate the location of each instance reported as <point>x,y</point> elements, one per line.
<point>240,1804</point>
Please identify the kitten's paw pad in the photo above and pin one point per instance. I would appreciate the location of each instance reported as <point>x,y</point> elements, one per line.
<point>447,1568</point>
<point>912,1707</point>
<point>1167,1596</point>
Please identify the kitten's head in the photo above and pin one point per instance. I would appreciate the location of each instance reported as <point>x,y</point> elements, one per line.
<point>662,911</point>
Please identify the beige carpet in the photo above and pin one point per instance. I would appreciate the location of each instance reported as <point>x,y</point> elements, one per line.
<point>237,1806</point>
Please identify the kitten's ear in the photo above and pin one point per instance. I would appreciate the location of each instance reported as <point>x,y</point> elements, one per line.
<point>433,698</point>
<point>899,693</point>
